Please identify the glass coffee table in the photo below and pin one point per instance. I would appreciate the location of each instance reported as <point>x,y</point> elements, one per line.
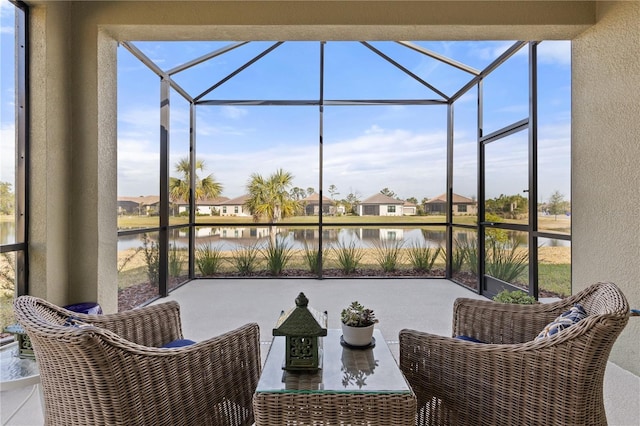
<point>354,387</point>
<point>16,372</point>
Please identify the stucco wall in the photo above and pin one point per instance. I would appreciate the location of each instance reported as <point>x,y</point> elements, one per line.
<point>73,235</point>
<point>50,165</point>
<point>605,155</point>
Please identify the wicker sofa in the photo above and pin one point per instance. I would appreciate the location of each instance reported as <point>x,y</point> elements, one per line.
<point>512,378</point>
<point>110,369</point>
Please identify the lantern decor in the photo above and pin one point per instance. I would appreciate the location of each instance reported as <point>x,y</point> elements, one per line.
<point>302,327</point>
<point>25,350</point>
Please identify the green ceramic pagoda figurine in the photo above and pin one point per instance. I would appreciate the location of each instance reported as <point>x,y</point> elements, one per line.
<point>303,328</point>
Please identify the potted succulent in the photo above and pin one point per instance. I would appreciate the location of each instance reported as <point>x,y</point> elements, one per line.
<point>357,325</point>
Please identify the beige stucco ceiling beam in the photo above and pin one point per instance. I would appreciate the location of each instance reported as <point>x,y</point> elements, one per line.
<point>338,20</point>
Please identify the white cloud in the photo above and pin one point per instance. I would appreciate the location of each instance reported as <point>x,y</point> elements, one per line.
<point>373,130</point>
<point>409,163</point>
<point>138,167</point>
<point>469,97</point>
<point>203,128</point>
<point>7,11</point>
<point>7,153</point>
<point>493,51</point>
<point>549,52</point>
<point>233,112</point>
<point>140,117</point>
<point>555,52</point>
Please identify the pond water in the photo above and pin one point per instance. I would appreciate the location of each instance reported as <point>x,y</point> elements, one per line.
<point>7,232</point>
<point>233,237</point>
<point>230,238</point>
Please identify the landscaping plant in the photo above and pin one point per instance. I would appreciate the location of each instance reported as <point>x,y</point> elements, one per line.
<point>504,259</point>
<point>208,259</point>
<point>151,253</point>
<point>277,255</point>
<point>312,255</point>
<point>348,257</point>
<point>245,259</point>
<point>458,255</point>
<point>516,296</point>
<point>469,250</point>
<point>7,289</point>
<point>388,254</point>
<point>422,258</point>
<point>175,261</point>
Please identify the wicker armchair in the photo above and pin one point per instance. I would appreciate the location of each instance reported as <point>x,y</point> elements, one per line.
<point>112,372</point>
<point>513,379</point>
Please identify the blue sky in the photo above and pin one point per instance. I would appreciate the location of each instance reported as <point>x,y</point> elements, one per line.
<point>7,103</point>
<point>366,148</point>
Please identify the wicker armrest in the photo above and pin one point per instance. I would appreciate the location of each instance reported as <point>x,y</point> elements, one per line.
<point>153,325</point>
<point>210,382</point>
<point>459,382</point>
<point>503,323</point>
<point>514,379</point>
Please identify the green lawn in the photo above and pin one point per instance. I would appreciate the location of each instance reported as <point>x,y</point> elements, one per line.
<point>555,278</point>
<point>132,222</point>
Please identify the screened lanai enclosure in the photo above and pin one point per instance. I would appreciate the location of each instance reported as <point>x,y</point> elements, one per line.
<point>345,159</point>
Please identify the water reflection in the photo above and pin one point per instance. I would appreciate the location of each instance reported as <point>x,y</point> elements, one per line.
<point>7,232</point>
<point>229,238</point>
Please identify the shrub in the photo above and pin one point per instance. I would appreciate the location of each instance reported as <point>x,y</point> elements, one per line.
<point>388,254</point>
<point>311,256</point>
<point>245,259</point>
<point>277,255</point>
<point>422,258</point>
<point>7,289</point>
<point>505,263</point>
<point>152,258</point>
<point>516,296</point>
<point>458,254</point>
<point>469,251</point>
<point>208,259</point>
<point>348,257</point>
<point>175,261</point>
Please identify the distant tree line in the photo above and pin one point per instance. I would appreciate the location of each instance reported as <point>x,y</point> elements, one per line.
<point>274,197</point>
<point>7,199</point>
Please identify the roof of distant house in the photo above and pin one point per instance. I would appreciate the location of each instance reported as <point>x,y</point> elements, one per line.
<point>315,199</point>
<point>457,199</point>
<point>144,200</point>
<point>238,201</point>
<point>204,201</point>
<point>381,199</point>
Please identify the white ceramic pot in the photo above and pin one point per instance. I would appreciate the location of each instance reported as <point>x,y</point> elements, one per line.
<point>357,336</point>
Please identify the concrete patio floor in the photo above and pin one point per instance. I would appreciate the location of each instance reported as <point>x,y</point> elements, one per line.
<point>211,307</point>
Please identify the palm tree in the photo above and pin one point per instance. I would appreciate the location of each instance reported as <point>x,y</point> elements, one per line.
<point>206,187</point>
<point>269,198</point>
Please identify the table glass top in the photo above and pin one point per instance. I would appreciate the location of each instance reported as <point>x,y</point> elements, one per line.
<point>372,370</point>
<point>14,369</point>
